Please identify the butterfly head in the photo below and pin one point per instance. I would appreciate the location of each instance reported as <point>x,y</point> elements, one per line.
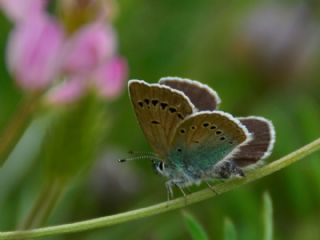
<point>159,166</point>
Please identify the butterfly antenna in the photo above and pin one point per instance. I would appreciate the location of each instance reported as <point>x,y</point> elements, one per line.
<point>142,153</point>
<point>139,158</point>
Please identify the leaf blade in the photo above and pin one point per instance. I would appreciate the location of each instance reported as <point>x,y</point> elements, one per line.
<point>267,217</point>
<point>195,229</point>
<point>229,230</point>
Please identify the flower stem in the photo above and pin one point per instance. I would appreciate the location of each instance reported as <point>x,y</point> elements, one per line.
<point>16,126</point>
<point>267,215</point>
<point>166,206</point>
<point>44,204</point>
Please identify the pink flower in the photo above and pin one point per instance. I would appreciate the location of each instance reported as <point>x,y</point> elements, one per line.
<point>18,10</point>
<point>33,52</point>
<point>110,77</point>
<point>108,80</point>
<point>88,48</point>
<point>68,92</point>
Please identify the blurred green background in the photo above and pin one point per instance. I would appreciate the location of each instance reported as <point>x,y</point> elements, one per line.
<point>261,57</point>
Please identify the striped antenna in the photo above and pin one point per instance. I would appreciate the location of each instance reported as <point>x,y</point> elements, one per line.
<point>142,153</point>
<point>139,158</point>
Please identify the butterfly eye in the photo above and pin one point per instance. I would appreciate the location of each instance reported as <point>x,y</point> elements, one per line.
<point>161,166</point>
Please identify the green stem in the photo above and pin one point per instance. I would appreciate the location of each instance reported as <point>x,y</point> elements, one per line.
<point>16,126</point>
<point>44,204</point>
<point>267,217</point>
<point>166,206</point>
<point>38,204</point>
<point>55,195</point>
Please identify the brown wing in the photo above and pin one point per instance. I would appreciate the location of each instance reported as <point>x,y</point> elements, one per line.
<point>202,96</point>
<point>261,144</point>
<point>205,138</point>
<point>159,109</point>
<point>210,128</point>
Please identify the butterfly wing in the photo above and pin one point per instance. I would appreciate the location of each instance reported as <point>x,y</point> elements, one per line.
<point>261,144</point>
<point>159,109</point>
<point>206,138</point>
<point>201,95</point>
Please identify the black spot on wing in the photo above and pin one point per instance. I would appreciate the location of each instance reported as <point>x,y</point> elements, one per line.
<point>154,102</point>
<point>140,103</point>
<point>163,105</point>
<point>182,131</point>
<point>205,124</point>
<point>172,109</point>
<point>180,116</point>
<point>147,101</point>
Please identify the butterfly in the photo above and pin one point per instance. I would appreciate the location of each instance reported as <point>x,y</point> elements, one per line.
<point>192,140</point>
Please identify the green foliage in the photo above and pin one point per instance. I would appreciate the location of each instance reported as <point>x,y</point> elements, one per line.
<point>267,216</point>
<point>73,139</point>
<point>229,230</point>
<point>198,40</point>
<point>169,205</point>
<point>194,227</point>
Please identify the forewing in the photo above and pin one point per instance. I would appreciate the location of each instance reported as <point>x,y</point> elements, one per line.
<point>202,96</point>
<point>261,144</point>
<point>206,138</point>
<point>159,109</point>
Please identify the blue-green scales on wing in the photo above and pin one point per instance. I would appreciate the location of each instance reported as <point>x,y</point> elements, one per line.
<point>193,141</point>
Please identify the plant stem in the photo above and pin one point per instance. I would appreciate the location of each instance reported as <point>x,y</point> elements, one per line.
<point>166,206</point>
<point>16,126</point>
<point>267,217</point>
<point>44,204</point>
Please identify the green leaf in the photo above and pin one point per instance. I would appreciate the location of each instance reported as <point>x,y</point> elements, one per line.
<point>230,232</point>
<point>194,227</point>
<point>267,217</point>
<point>74,138</point>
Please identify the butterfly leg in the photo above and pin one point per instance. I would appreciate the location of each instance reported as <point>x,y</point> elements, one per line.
<point>169,190</point>
<point>187,190</point>
<point>211,188</point>
<point>183,192</point>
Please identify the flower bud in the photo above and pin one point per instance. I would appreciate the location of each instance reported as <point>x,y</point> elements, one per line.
<point>67,92</point>
<point>33,52</point>
<point>110,77</point>
<point>18,10</point>
<point>88,48</point>
<point>76,13</point>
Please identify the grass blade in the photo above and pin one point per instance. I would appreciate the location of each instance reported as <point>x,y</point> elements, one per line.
<point>230,232</point>
<point>194,227</point>
<point>267,215</point>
